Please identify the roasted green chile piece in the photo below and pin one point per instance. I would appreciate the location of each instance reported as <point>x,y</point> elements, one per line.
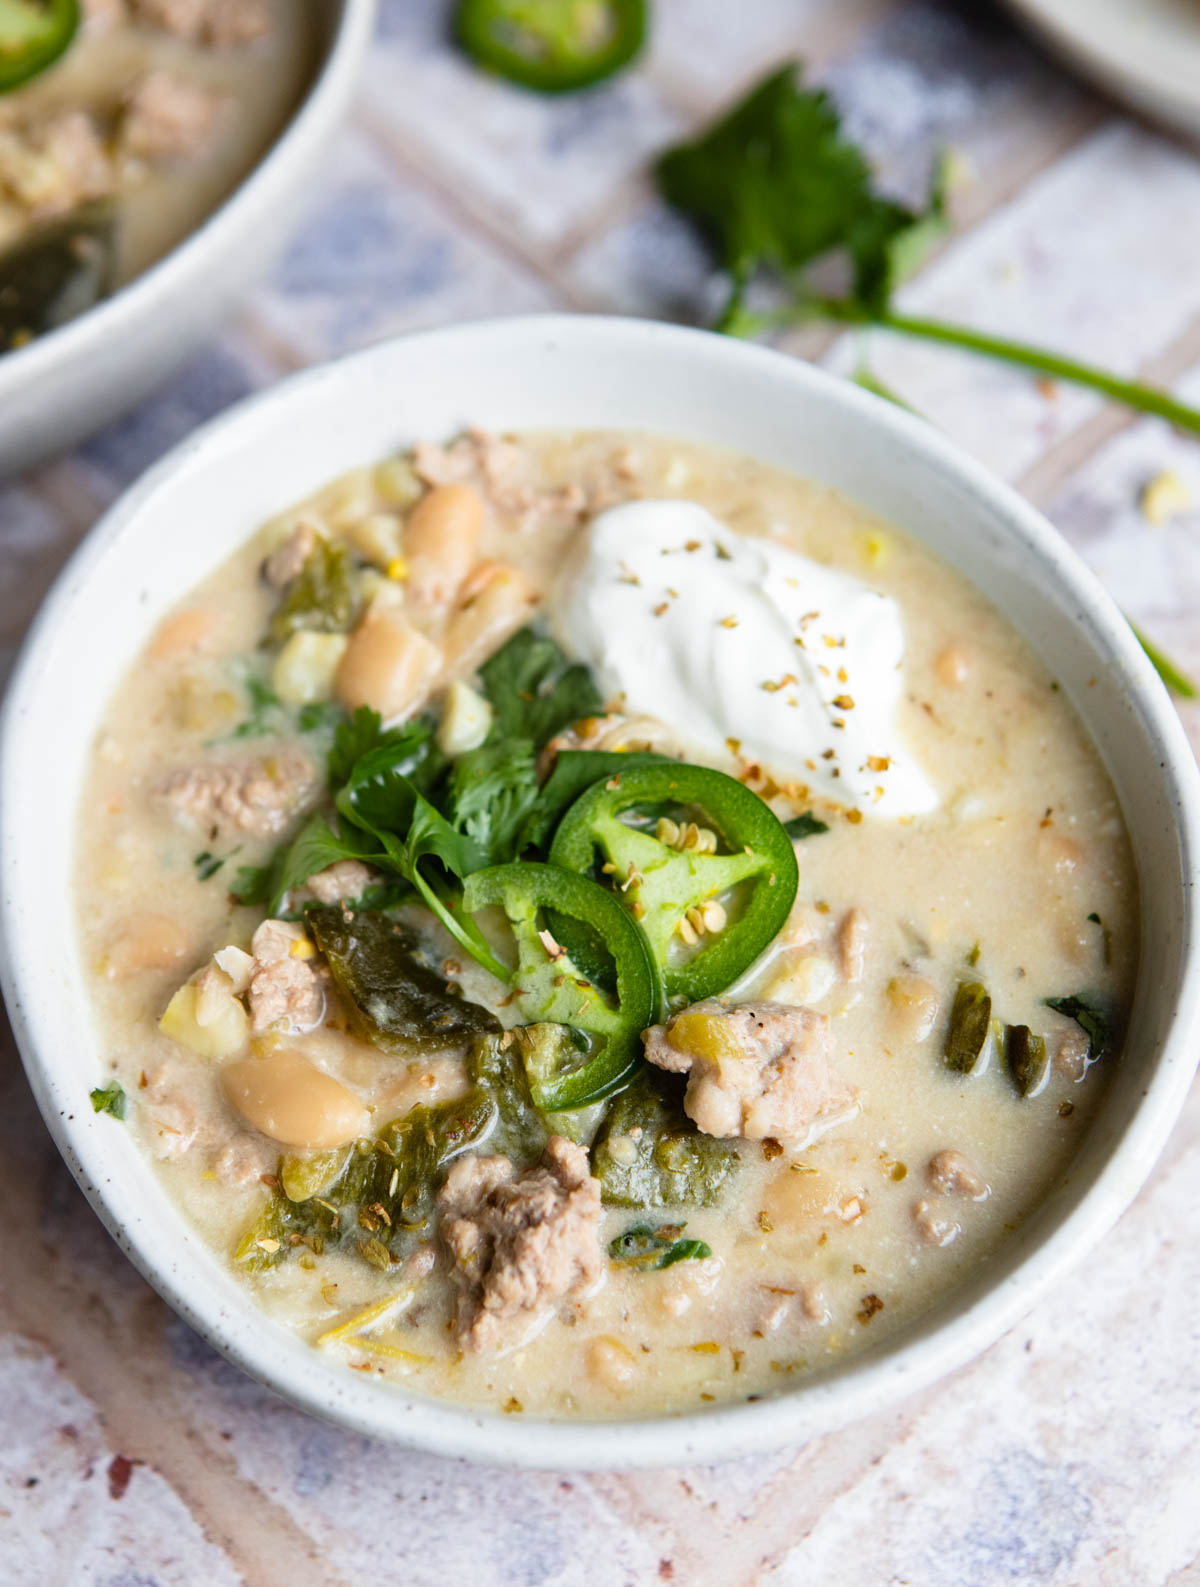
<point>33,34</point>
<point>392,998</point>
<point>510,1066</point>
<point>649,1153</point>
<point>497,1066</point>
<point>552,46</point>
<point>970,1028</point>
<point>650,1250</point>
<point>1027,1059</point>
<point>379,1200</point>
<point>322,596</point>
<point>55,273</point>
<point>550,988</point>
<point>659,884</point>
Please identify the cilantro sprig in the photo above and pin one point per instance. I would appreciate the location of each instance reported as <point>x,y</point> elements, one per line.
<point>425,822</point>
<point>778,188</point>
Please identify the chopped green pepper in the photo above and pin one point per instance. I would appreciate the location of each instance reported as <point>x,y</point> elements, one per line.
<point>393,999</point>
<point>1027,1059</point>
<point>33,34</point>
<point>551,988</point>
<point>970,1027</point>
<point>497,1066</point>
<point>377,1194</point>
<point>55,273</point>
<point>552,46</point>
<point>649,1153</point>
<point>664,879</point>
<point>321,596</point>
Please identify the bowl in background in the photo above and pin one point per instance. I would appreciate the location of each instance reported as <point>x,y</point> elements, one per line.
<point>68,383</point>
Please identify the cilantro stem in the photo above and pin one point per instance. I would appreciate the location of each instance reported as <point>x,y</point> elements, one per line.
<point>1178,682</point>
<point>472,941</point>
<point>866,377</point>
<point>1146,399</point>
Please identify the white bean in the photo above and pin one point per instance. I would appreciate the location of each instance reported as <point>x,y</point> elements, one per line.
<point>388,665</point>
<point>441,542</point>
<point>293,1101</point>
<point>500,603</point>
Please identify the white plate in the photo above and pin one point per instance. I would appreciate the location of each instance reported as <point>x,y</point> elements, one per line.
<point>1146,51</point>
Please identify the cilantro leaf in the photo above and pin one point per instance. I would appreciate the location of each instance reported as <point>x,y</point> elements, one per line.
<point>109,1099</point>
<point>388,806</point>
<point>575,770</point>
<point>411,745</point>
<point>319,714</point>
<point>492,790</point>
<point>534,691</point>
<point>775,184</point>
<point>1091,1018</point>
<point>804,826</point>
<point>207,865</point>
<point>267,713</point>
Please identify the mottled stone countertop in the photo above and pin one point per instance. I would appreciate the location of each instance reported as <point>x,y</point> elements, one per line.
<point>131,1455</point>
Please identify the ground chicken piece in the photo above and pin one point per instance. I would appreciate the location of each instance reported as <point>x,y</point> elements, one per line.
<point>174,1124</point>
<point>953,1174</point>
<point>773,1312</point>
<point>1072,1054</point>
<point>814,1303</point>
<point>245,1159</point>
<point>520,1244</point>
<point>286,988</point>
<point>287,561</point>
<point>501,471</point>
<point>258,797</point>
<point>221,23</point>
<point>759,1070</point>
<point>53,165</point>
<point>343,879</point>
<point>167,117</point>
<point>934,1226</point>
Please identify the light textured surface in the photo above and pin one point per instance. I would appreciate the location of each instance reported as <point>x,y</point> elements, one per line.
<point>132,1456</point>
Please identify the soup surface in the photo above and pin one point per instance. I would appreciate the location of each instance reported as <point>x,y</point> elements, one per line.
<point>554,1055</point>
<point>110,158</point>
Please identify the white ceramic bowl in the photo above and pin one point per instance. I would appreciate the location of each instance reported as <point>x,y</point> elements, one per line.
<point>1148,53</point>
<point>68,383</point>
<point>195,506</point>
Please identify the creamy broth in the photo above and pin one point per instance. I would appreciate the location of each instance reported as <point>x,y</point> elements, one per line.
<point>89,138</point>
<point>1021,880</point>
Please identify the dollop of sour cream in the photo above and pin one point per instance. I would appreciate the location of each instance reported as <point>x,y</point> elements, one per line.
<point>746,650</point>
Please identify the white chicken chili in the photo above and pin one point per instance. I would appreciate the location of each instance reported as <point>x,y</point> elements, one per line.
<point>525,997</point>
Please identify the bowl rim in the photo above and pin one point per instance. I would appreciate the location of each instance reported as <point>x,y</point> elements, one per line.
<point>199,252</point>
<point>913,1358</point>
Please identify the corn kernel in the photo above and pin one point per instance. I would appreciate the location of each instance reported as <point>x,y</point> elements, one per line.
<point>1165,497</point>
